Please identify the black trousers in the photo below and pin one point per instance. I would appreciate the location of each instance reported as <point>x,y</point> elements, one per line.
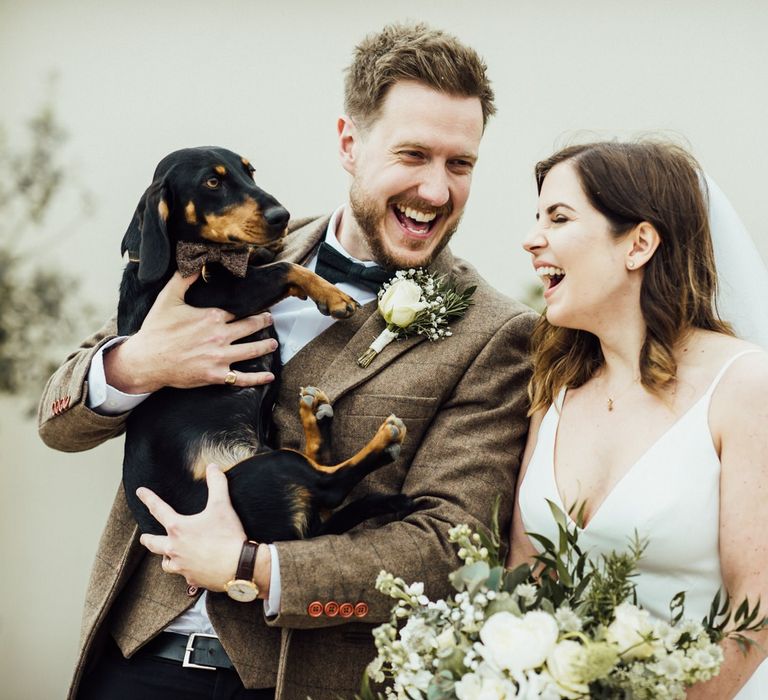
<point>151,678</point>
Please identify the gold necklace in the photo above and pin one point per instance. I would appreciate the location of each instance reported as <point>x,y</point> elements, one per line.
<point>611,400</point>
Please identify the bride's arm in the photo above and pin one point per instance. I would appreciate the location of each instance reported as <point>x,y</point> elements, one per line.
<point>739,420</point>
<point>520,548</point>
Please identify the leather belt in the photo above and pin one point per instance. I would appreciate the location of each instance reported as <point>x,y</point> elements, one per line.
<point>194,651</point>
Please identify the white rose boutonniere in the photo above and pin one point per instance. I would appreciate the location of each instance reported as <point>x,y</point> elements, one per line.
<point>415,302</point>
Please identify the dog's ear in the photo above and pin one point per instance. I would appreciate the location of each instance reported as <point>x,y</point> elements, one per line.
<point>147,233</point>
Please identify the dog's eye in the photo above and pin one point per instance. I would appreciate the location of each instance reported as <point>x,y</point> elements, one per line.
<point>213,183</point>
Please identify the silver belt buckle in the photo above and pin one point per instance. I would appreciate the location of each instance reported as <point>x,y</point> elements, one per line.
<point>186,663</point>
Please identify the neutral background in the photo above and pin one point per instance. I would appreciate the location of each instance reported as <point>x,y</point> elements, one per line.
<point>139,79</point>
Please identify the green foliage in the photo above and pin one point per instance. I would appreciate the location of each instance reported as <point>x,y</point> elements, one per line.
<point>39,310</point>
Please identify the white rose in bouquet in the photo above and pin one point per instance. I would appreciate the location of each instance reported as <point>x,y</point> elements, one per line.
<point>517,643</point>
<point>628,631</point>
<point>401,303</point>
<point>484,684</point>
<point>566,664</point>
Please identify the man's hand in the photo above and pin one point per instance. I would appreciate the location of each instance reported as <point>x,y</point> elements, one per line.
<point>203,548</point>
<point>183,346</point>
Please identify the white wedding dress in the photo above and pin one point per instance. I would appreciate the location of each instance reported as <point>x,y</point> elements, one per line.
<point>671,495</point>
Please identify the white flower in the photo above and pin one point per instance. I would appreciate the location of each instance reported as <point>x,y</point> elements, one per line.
<point>374,669</point>
<point>628,630</point>
<point>565,664</point>
<point>526,592</point>
<point>518,643</point>
<point>567,620</point>
<point>417,635</point>
<point>401,303</point>
<point>484,684</point>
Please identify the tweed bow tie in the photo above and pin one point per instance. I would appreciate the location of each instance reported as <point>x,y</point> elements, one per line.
<point>191,257</point>
<point>335,267</point>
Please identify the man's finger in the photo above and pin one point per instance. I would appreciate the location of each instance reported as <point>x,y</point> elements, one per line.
<point>250,324</point>
<point>162,512</point>
<point>248,351</point>
<point>157,544</point>
<point>177,287</point>
<point>254,378</point>
<point>218,487</point>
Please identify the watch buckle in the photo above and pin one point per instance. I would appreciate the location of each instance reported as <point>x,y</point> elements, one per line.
<point>186,663</point>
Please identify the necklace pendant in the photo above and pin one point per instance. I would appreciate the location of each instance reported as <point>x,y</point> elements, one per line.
<point>610,404</point>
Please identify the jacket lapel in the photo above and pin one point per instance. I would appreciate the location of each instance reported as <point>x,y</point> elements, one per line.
<point>332,356</point>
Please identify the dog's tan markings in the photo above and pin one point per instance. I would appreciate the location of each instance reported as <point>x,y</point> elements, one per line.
<point>241,223</point>
<point>309,401</point>
<point>391,432</point>
<point>246,162</point>
<point>225,455</point>
<point>300,499</point>
<point>190,213</point>
<point>328,297</point>
<point>162,210</point>
<point>221,170</point>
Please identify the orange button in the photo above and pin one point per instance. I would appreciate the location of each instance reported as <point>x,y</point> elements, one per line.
<point>346,609</point>
<point>315,609</point>
<point>361,609</point>
<point>192,591</point>
<point>331,608</point>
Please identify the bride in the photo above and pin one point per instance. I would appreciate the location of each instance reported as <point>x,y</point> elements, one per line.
<point>646,408</point>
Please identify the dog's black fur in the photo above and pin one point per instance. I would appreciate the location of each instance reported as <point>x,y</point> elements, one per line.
<point>208,195</point>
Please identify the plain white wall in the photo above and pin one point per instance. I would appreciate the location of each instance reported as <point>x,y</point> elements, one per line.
<point>139,79</point>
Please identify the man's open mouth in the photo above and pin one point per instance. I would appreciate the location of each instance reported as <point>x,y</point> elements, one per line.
<point>415,221</point>
<point>550,276</point>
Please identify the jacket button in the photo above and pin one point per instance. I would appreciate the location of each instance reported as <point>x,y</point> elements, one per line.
<point>331,608</point>
<point>361,609</point>
<point>346,610</point>
<point>192,591</point>
<point>315,609</point>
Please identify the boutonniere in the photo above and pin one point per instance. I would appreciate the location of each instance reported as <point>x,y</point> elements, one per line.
<point>416,302</point>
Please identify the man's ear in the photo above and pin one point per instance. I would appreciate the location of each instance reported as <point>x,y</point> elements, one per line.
<point>348,140</point>
<point>643,241</point>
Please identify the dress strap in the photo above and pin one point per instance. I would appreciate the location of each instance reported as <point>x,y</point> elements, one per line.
<point>725,367</point>
<point>560,399</point>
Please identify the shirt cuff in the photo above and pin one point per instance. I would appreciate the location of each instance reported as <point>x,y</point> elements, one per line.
<point>103,398</point>
<point>272,604</point>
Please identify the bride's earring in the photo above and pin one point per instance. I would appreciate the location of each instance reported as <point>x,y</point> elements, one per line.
<point>630,264</point>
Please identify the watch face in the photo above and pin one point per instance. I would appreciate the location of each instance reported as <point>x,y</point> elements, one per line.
<point>242,591</point>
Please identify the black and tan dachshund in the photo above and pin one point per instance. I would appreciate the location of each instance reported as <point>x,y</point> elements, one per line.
<point>203,208</point>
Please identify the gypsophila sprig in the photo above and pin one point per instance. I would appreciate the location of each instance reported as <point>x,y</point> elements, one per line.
<point>416,302</point>
<point>565,627</point>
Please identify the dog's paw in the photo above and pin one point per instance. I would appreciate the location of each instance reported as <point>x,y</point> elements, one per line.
<point>337,304</point>
<point>397,431</point>
<point>316,400</point>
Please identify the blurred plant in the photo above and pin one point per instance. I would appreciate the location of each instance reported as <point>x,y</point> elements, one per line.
<point>40,310</point>
<point>534,297</point>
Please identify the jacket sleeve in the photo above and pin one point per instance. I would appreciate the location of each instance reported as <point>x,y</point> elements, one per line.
<point>469,455</point>
<point>64,421</point>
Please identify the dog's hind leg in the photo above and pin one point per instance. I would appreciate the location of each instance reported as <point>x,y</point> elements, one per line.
<point>316,415</point>
<point>372,506</point>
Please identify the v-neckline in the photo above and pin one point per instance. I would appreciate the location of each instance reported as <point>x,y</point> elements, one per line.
<point>628,471</point>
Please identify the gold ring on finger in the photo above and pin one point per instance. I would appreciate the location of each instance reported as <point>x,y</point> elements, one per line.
<point>231,377</point>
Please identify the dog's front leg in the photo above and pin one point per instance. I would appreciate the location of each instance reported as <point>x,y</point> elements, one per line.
<point>266,285</point>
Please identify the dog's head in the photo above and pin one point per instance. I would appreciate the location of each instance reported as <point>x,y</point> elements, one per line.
<point>201,194</point>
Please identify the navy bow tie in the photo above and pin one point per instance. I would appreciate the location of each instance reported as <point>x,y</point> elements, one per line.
<point>335,267</point>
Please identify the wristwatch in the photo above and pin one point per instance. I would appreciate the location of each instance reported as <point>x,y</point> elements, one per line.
<point>242,588</point>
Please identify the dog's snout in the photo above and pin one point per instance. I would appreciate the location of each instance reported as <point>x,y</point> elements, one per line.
<point>276,216</point>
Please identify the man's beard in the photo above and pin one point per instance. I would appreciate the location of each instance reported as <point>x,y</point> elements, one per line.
<point>371,221</point>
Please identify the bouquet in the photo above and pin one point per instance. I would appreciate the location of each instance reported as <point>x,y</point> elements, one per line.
<point>565,627</point>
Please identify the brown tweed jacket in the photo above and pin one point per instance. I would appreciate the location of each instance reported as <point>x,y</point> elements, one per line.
<point>464,402</point>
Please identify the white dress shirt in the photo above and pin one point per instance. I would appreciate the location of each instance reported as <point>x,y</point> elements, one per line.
<point>297,322</point>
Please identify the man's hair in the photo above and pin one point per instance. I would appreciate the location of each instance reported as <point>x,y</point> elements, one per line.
<point>628,183</point>
<point>412,52</point>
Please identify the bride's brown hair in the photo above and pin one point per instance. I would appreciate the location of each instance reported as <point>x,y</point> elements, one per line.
<point>629,183</point>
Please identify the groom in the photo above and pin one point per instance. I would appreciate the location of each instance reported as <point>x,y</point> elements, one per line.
<point>416,105</point>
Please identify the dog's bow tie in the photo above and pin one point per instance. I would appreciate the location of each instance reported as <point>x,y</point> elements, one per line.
<point>191,257</point>
<point>335,267</point>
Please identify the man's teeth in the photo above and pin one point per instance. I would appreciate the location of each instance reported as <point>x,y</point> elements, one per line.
<point>549,271</point>
<point>416,215</point>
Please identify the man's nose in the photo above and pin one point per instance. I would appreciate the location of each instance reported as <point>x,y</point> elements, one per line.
<point>434,186</point>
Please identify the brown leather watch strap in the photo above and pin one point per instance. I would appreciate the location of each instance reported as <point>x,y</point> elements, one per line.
<point>246,566</point>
